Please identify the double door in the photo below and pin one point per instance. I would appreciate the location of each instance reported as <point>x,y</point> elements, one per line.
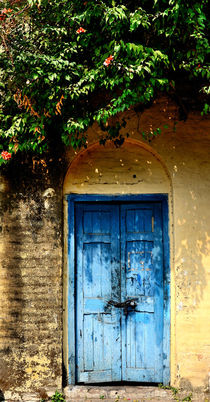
<point>119,292</point>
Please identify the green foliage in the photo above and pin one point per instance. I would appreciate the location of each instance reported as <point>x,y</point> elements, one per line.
<point>172,389</point>
<point>187,398</point>
<point>53,74</point>
<point>57,397</point>
<point>175,392</point>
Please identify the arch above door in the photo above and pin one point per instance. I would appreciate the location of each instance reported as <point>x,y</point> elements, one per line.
<point>134,168</point>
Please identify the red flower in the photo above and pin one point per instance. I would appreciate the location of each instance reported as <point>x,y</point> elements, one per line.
<point>80,30</point>
<point>6,155</point>
<point>4,13</point>
<point>108,60</point>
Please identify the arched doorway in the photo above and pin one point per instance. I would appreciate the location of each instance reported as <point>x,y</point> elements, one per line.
<point>118,266</point>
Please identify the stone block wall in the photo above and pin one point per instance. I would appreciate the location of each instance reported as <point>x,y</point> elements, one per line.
<point>30,280</point>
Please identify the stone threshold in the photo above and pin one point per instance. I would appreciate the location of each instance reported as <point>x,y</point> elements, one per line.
<point>116,393</point>
<point>133,393</point>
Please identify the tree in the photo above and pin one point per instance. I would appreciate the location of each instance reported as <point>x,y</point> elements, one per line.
<point>66,64</point>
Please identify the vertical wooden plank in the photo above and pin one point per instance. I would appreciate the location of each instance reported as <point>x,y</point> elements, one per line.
<point>106,277</point>
<point>87,264</point>
<point>139,221</point>
<point>108,339</point>
<point>98,341</point>
<point>128,340</point>
<point>140,340</point>
<point>97,222</point>
<point>106,226</point>
<point>148,213</point>
<point>129,220</point>
<point>149,270</point>
<point>134,263</point>
<point>88,333</point>
<point>149,340</point>
<point>96,269</point>
<point>87,222</point>
<point>131,327</point>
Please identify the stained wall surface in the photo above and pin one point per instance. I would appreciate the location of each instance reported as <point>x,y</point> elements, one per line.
<point>177,163</point>
<point>30,283</point>
<point>34,276</point>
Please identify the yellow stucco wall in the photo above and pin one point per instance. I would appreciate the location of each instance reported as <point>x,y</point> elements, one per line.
<point>176,162</point>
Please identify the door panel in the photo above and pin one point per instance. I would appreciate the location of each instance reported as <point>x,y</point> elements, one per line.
<point>119,257</point>
<point>142,279</point>
<point>97,281</point>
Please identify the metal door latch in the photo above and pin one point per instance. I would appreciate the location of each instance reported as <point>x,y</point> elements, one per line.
<point>127,305</point>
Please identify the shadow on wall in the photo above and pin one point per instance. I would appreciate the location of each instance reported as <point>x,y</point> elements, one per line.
<point>1,396</point>
<point>192,249</point>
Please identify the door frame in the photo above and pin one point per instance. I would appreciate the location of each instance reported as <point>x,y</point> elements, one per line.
<point>85,198</point>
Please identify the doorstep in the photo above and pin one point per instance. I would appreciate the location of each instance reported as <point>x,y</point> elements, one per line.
<point>116,393</point>
<point>85,393</point>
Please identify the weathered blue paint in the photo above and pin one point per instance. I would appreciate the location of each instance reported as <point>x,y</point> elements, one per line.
<point>100,230</point>
<point>97,281</point>
<point>142,278</point>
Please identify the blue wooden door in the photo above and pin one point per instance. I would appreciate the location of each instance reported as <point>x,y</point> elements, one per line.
<point>119,292</point>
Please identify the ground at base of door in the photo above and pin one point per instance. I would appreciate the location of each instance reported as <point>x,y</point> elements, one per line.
<point>129,393</point>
